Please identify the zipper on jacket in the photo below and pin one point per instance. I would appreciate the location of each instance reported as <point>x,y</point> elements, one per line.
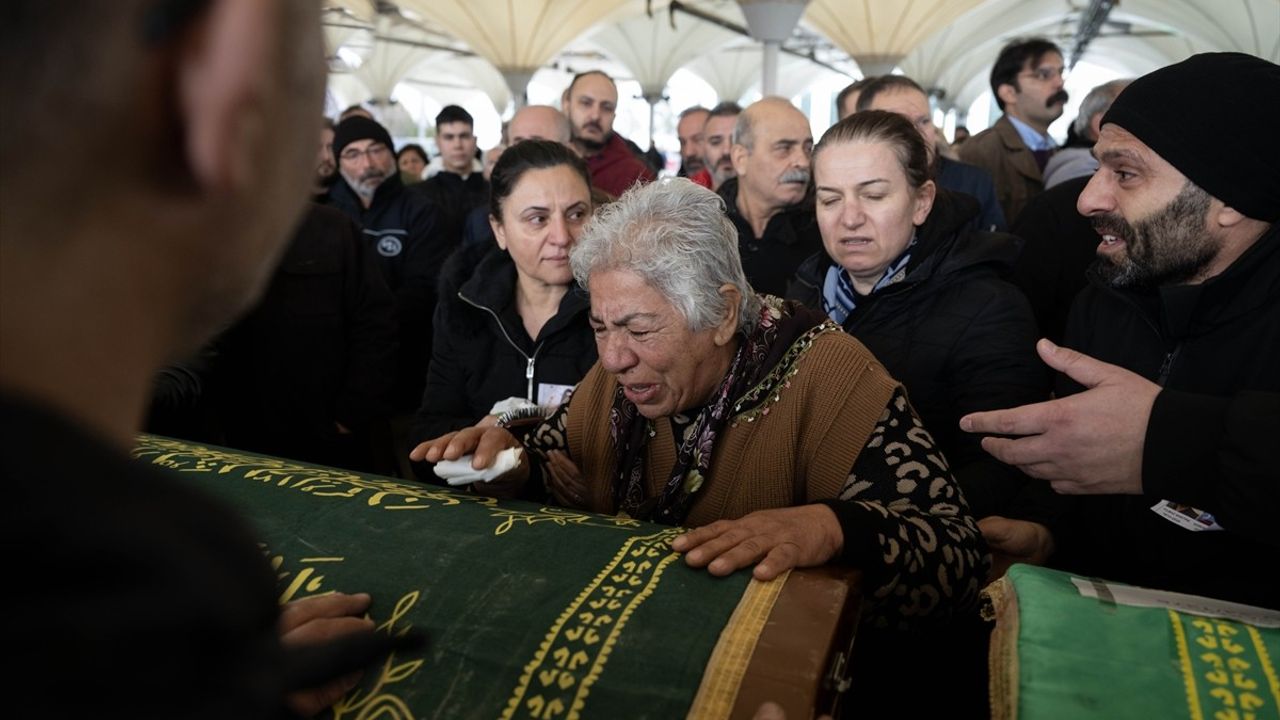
<point>1167,366</point>
<point>530,360</point>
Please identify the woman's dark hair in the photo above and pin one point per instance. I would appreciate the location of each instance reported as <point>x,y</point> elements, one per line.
<point>529,155</point>
<point>413,148</point>
<point>883,127</point>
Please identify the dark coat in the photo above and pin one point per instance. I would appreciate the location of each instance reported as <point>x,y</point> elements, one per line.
<point>319,348</point>
<point>975,182</point>
<point>176,590</point>
<point>482,352</point>
<point>956,335</point>
<point>1211,438</point>
<point>402,228</point>
<point>790,237</point>
<point>1058,245</point>
<point>454,198</point>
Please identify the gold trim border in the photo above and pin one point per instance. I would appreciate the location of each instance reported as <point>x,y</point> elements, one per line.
<point>728,664</point>
<point>515,707</point>
<point>1268,667</point>
<point>1184,663</point>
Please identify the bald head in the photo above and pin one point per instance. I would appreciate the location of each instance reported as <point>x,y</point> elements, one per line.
<point>539,122</point>
<point>772,143</point>
<point>770,110</point>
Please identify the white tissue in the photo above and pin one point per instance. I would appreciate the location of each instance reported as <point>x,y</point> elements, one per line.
<point>511,404</point>
<point>460,472</point>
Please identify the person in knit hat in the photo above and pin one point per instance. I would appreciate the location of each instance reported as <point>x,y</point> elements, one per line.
<point>1170,401</point>
<point>366,155</point>
<point>403,228</point>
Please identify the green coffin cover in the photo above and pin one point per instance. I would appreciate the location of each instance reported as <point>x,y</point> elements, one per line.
<point>1058,654</point>
<point>531,611</point>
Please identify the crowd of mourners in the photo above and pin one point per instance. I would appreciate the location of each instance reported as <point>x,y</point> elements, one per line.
<point>926,360</point>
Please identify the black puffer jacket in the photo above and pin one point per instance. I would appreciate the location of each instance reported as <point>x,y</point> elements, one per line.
<point>960,338</point>
<point>481,352</point>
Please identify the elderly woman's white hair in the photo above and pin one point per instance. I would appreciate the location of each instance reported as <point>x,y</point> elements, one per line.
<point>676,236</point>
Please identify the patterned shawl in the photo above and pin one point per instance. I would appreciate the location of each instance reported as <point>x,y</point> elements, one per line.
<point>760,367</point>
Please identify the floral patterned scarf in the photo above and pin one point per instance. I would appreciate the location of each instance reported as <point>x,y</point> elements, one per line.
<point>751,380</point>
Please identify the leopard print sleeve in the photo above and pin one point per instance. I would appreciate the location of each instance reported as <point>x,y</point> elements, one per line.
<point>546,436</point>
<point>907,526</point>
<point>549,434</point>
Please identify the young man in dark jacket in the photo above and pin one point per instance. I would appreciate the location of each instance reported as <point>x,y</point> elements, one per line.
<point>1171,409</point>
<point>458,188</point>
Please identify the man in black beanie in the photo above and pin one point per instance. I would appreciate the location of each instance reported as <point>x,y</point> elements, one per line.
<point>403,229</point>
<point>1169,405</point>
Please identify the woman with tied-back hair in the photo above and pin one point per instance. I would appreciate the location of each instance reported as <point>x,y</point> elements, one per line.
<point>756,420</point>
<point>509,322</point>
<point>905,272</point>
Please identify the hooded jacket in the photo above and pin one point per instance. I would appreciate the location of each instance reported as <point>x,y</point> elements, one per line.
<point>956,335</point>
<point>481,350</point>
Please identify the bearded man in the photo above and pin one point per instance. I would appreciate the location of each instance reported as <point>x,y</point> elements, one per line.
<point>1168,413</point>
<point>404,229</point>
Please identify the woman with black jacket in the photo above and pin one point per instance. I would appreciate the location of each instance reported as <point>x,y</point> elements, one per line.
<point>906,272</point>
<point>509,322</point>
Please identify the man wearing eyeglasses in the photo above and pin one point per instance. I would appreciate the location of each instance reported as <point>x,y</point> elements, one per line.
<point>1027,81</point>
<point>403,229</point>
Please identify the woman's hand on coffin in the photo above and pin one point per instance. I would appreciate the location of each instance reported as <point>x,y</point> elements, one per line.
<point>485,443</point>
<point>565,480</point>
<point>774,540</point>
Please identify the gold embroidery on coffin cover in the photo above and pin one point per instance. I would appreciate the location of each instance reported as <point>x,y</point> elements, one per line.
<point>573,654</point>
<point>383,493</point>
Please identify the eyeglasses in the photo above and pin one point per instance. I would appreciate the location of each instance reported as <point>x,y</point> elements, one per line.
<point>1045,74</point>
<point>373,152</point>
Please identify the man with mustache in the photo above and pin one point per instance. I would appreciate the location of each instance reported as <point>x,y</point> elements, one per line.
<point>1027,81</point>
<point>1169,404</point>
<point>591,103</point>
<point>769,201</point>
<point>403,229</point>
<point>717,142</point>
<point>689,131</point>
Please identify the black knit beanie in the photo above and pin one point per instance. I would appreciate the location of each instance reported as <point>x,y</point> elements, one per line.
<point>1211,116</point>
<point>358,127</point>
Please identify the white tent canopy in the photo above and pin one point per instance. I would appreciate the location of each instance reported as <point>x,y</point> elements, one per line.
<point>946,46</point>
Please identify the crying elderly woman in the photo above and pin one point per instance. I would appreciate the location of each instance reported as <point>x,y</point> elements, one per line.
<point>756,421</point>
